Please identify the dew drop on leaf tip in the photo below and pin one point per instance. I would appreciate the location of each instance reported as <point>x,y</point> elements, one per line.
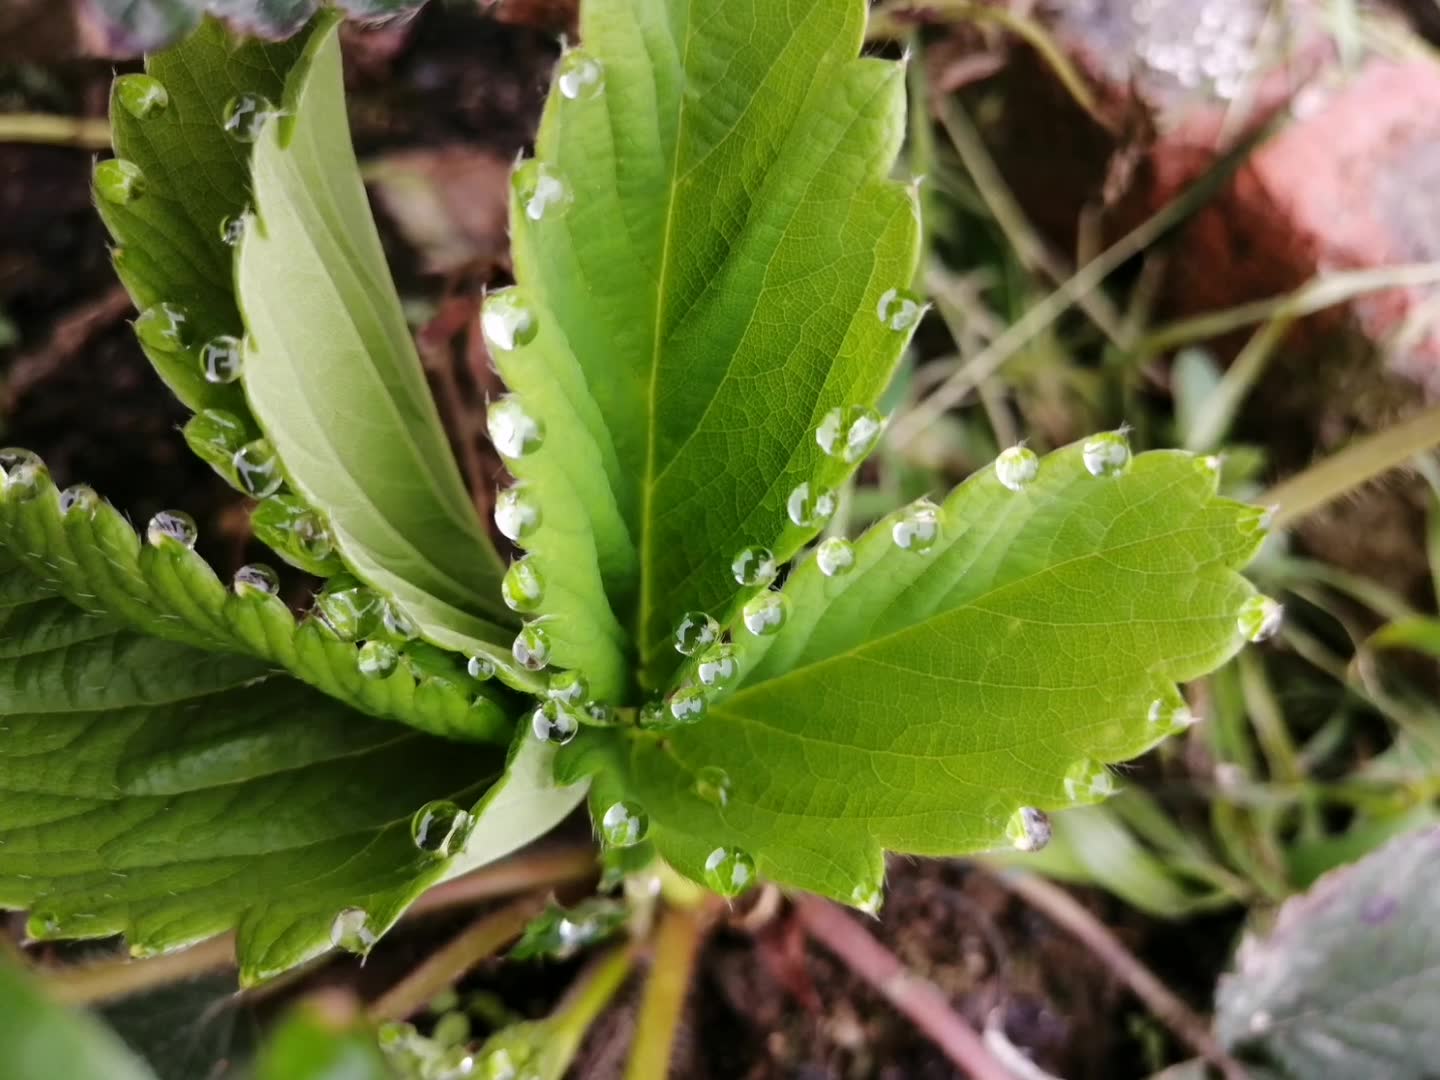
<point>1106,454</point>
<point>396,622</point>
<point>765,613</point>
<point>695,631</point>
<point>1260,618</point>
<point>539,191</point>
<point>867,898</point>
<point>569,687</point>
<point>440,828</point>
<point>480,668</point>
<point>220,359</point>
<point>1028,829</point>
<point>507,321</point>
<point>1171,716</point>
<point>899,309</point>
<point>172,527</point>
<point>624,824</point>
<point>522,587</point>
<point>514,432</point>
<point>257,467</point>
<point>232,229</point>
<point>849,433</point>
<point>22,471</point>
<point>729,871</point>
<point>517,514</point>
<point>163,327</point>
<point>554,722</point>
<point>119,182</point>
<point>79,499</point>
<point>835,556</point>
<point>377,659</point>
<point>1016,467</point>
<point>245,116</point>
<point>754,566</point>
<point>717,666</point>
<point>917,528</point>
<point>687,705</point>
<point>256,579</point>
<point>810,507</point>
<point>142,96</point>
<point>531,648</point>
<point>1088,781</point>
<point>351,931</point>
<point>580,76</point>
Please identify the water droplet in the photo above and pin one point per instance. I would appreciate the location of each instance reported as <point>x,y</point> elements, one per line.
<point>868,898</point>
<point>580,76</point>
<point>624,824</point>
<point>22,471</point>
<point>172,527</point>
<point>396,622</point>
<point>232,229</point>
<point>899,309</point>
<point>514,432</point>
<point>257,467</point>
<point>695,631</point>
<point>311,535</point>
<point>256,579</point>
<point>712,784</point>
<point>1088,781</point>
<point>531,648</point>
<point>729,871</point>
<point>351,931</point>
<point>1106,454</point>
<point>377,659</point>
<point>754,566</point>
<point>766,613</point>
<point>220,359</point>
<point>835,556</point>
<point>522,588</point>
<point>569,687</point>
<point>1171,715</point>
<point>245,116</point>
<point>293,529</point>
<point>79,499</point>
<point>687,706</point>
<point>598,713</point>
<point>1260,618</point>
<point>917,528</point>
<point>348,607</point>
<point>440,828</point>
<point>163,327</point>
<point>119,181</point>
<point>1028,829</point>
<point>517,514</point>
<point>142,96</point>
<point>554,722</point>
<point>480,668</point>
<point>652,714</point>
<point>810,508</point>
<point>1016,467</point>
<point>717,667</point>
<point>849,433</point>
<point>539,191</point>
<point>508,321</point>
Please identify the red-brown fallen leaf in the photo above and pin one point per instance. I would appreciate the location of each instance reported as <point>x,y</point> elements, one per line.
<point>449,203</point>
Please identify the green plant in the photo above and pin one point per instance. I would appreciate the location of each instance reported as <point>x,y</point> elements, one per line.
<point>712,271</point>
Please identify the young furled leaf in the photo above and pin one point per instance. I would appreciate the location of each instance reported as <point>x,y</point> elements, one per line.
<point>962,669</point>
<point>711,265</point>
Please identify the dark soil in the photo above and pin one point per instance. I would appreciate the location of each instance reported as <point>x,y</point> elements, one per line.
<point>78,391</point>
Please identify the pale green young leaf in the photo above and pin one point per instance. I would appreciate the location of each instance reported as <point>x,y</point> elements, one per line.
<point>79,546</point>
<point>704,245</point>
<point>334,380</point>
<point>169,795</point>
<point>917,702</point>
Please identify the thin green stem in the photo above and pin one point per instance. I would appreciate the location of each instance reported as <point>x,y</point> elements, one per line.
<point>78,131</point>
<point>583,1002</point>
<point>1221,406</point>
<point>677,943</point>
<point>1353,467</point>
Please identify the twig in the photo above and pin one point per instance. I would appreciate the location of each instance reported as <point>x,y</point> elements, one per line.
<point>1356,465</point>
<point>989,360</point>
<point>919,999</point>
<point>72,332</point>
<point>106,980</point>
<point>671,967</point>
<point>1062,909</point>
<point>536,870</point>
<point>443,968</point>
<point>78,131</point>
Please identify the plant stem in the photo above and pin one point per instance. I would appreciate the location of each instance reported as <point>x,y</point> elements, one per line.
<point>677,941</point>
<point>1221,406</point>
<point>582,1003</point>
<point>105,980</point>
<point>443,968</point>
<point>82,132</point>
<point>519,873</point>
<point>918,998</point>
<point>1063,910</point>
<point>1356,465</point>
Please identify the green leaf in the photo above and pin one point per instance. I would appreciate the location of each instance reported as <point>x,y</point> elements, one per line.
<point>334,380</point>
<point>704,245</point>
<point>44,1041</point>
<point>918,701</point>
<point>1419,633</point>
<point>168,794</point>
<point>1346,983</point>
<point>134,26</point>
<point>82,548</point>
<point>558,932</point>
<point>308,1046</point>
